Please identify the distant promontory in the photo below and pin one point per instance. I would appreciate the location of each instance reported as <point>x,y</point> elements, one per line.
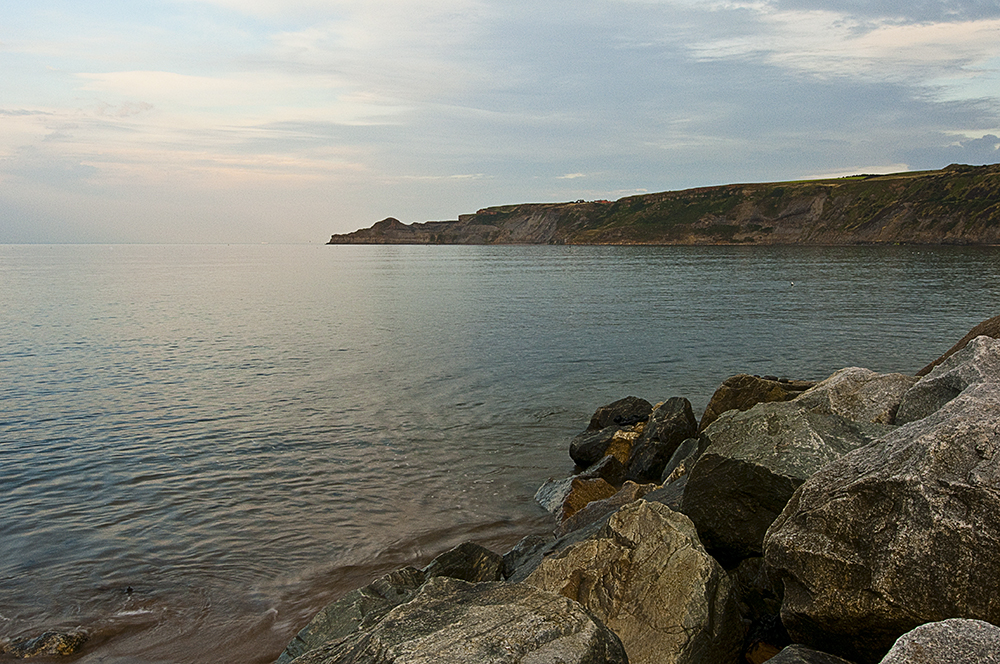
<point>956,205</point>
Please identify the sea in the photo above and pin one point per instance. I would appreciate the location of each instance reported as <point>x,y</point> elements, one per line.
<point>203,445</point>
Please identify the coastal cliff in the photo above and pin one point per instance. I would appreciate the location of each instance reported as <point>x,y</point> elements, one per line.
<point>956,205</point>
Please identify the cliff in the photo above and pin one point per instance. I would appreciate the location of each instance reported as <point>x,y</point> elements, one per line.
<point>956,205</point>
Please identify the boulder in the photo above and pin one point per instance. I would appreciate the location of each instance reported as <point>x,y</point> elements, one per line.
<point>629,492</point>
<point>565,497</point>
<point>530,547</point>
<point>954,641</point>
<point>622,413</point>
<point>364,606</point>
<point>978,362</point>
<point>858,394</point>
<point>682,460</point>
<point>751,465</point>
<point>800,654</point>
<point>898,533</point>
<point>469,562</point>
<point>609,469</point>
<point>989,328</point>
<point>455,622</point>
<point>742,392</point>
<point>647,577</point>
<point>670,424</point>
<point>622,443</point>
<point>589,447</point>
<point>45,644</point>
<point>584,492</point>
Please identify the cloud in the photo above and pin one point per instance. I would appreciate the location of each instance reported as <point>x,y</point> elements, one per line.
<point>976,151</point>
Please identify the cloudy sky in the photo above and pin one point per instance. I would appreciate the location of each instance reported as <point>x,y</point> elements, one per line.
<point>289,120</point>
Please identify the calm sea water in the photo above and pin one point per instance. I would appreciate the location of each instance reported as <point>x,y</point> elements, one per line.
<point>241,434</point>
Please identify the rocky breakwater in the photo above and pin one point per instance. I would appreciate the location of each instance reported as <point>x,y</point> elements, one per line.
<point>854,520</point>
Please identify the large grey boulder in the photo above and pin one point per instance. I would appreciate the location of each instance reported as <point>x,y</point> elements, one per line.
<point>954,641</point>
<point>671,423</point>
<point>646,576</point>
<point>349,613</point>
<point>365,606</point>
<point>753,462</point>
<point>989,328</point>
<point>455,622</point>
<point>978,362</point>
<point>743,392</point>
<point>898,533</point>
<point>858,394</point>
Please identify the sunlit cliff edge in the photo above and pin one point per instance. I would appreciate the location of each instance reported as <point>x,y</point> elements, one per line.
<point>956,205</point>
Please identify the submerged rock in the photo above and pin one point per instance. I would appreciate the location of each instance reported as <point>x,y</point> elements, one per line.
<point>45,644</point>
<point>646,575</point>
<point>454,622</point>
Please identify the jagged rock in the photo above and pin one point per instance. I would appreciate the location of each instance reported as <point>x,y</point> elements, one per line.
<point>629,492</point>
<point>648,578</point>
<point>589,447</point>
<point>469,562</point>
<point>800,654</point>
<point>608,469</point>
<point>47,643</point>
<point>565,497</point>
<point>743,391</point>
<point>454,622</point>
<point>989,328</point>
<point>682,460</point>
<point>621,444</point>
<point>978,362</point>
<point>364,606</point>
<point>670,494</point>
<point>753,462</point>
<point>954,641</point>
<point>670,423</point>
<point>858,394</point>
<point>898,533</point>
<point>583,492</point>
<point>622,413</point>
<point>529,547</point>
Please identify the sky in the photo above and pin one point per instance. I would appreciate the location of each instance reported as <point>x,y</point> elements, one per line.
<point>168,121</point>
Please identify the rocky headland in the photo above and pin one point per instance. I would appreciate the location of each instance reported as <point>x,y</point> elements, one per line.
<point>852,520</point>
<point>956,205</point>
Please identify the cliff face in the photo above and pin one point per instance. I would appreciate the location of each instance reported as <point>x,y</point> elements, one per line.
<point>956,205</point>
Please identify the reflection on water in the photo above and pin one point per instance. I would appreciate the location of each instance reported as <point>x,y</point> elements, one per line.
<point>241,434</point>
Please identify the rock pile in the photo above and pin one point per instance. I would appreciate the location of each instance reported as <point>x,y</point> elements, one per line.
<point>856,520</point>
